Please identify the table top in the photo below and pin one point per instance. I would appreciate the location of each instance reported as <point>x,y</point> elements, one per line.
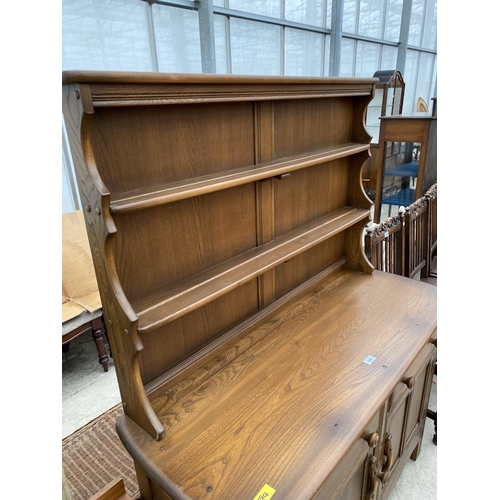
<point>287,410</point>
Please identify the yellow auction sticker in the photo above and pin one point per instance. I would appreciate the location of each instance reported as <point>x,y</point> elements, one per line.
<point>265,493</point>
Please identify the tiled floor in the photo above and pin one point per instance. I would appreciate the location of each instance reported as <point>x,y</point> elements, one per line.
<point>89,392</point>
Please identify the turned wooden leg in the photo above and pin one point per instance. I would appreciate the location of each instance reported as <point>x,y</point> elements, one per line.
<point>99,342</point>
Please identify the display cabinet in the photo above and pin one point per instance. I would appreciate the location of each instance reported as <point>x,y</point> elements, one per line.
<point>387,101</point>
<point>407,160</point>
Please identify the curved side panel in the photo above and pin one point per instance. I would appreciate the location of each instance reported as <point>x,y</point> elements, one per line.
<point>356,197</point>
<point>121,320</point>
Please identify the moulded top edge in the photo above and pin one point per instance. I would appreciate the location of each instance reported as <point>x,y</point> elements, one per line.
<point>87,76</point>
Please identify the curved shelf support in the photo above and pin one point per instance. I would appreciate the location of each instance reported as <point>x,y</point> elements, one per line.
<point>121,320</point>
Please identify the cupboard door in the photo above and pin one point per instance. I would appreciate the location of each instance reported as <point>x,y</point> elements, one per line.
<point>355,478</point>
<point>407,409</point>
<point>418,399</point>
<point>392,443</point>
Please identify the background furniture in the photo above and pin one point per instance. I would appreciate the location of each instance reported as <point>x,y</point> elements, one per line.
<point>113,491</point>
<point>387,101</point>
<point>407,165</point>
<point>81,302</point>
<point>256,349</point>
<point>406,244</point>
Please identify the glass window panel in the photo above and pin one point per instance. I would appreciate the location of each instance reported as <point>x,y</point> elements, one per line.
<point>370,18</point>
<point>425,79</point>
<point>255,48</point>
<point>393,20</point>
<point>105,35</point>
<point>270,8</point>
<point>68,202</point>
<point>389,57</point>
<point>328,14</point>
<point>302,53</point>
<point>220,44</point>
<point>218,3</point>
<point>177,39</point>
<point>373,114</point>
<point>367,59</point>
<point>347,58</point>
<point>305,11</point>
<point>326,65</point>
<point>410,77</point>
<point>429,37</point>
<point>349,19</point>
<point>416,21</point>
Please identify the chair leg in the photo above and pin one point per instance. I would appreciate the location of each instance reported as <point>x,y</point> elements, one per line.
<point>99,342</point>
<point>433,416</point>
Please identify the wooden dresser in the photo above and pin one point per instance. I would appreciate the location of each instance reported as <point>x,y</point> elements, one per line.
<point>258,354</point>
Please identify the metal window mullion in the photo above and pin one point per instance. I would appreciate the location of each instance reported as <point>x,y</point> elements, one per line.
<point>421,49</point>
<point>323,15</point>
<point>369,39</point>
<point>356,23</point>
<point>417,71</point>
<point>181,4</point>
<point>384,19</point>
<point>404,35</point>
<point>282,50</point>
<point>229,62</point>
<point>323,38</point>
<point>207,36</point>
<point>152,37</point>
<point>269,20</point>
<point>336,37</point>
<point>355,57</point>
<point>323,49</point>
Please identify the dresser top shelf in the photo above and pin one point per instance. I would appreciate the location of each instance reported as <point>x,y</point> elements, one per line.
<point>159,195</point>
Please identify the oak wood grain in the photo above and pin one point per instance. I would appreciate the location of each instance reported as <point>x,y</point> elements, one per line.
<point>309,372</point>
<point>225,215</point>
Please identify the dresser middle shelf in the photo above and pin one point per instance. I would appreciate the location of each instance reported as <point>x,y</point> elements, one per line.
<point>159,195</point>
<point>196,291</point>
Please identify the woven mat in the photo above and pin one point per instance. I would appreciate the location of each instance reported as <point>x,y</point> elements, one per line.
<point>93,456</point>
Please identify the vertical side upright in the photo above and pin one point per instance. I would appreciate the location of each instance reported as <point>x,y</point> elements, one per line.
<point>78,111</point>
<point>264,148</point>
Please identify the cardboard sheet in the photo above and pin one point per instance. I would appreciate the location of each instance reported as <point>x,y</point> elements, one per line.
<point>79,284</point>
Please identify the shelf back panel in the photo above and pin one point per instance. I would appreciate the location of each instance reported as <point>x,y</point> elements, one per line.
<point>147,146</point>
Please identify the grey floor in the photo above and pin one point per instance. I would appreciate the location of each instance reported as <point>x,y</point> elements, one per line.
<point>87,392</point>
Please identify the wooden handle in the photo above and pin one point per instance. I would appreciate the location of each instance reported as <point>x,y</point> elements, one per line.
<point>387,469</point>
<point>410,382</point>
<point>372,471</point>
<point>371,439</point>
